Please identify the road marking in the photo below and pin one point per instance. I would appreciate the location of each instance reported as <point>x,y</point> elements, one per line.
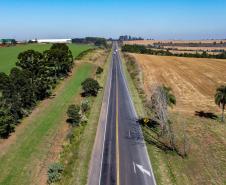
<point>135,113</point>
<point>134,167</point>
<point>117,135</point>
<point>142,169</point>
<point>129,134</point>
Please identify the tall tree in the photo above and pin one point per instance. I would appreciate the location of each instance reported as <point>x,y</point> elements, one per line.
<point>220,99</point>
<point>32,62</point>
<point>4,81</point>
<point>90,87</point>
<point>7,122</point>
<point>60,46</point>
<point>61,60</point>
<point>74,116</point>
<point>65,56</point>
<point>22,88</point>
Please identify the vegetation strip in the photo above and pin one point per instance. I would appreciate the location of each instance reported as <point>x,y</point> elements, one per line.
<point>77,152</point>
<point>17,161</point>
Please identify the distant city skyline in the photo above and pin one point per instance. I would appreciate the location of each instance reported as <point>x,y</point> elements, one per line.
<point>162,19</point>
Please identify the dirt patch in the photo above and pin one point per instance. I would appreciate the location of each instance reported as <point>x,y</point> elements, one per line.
<point>40,177</point>
<point>192,80</point>
<point>97,56</point>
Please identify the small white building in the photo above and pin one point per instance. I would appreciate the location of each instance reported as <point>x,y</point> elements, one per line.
<point>54,40</point>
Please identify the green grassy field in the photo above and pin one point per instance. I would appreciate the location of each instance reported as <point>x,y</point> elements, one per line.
<point>8,55</point>
<point>32,144</point>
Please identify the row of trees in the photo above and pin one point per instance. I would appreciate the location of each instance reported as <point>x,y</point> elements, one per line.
<point>75,113</point>
<point>97,41</point>
<point>144,50</point>
<point>32,80</point>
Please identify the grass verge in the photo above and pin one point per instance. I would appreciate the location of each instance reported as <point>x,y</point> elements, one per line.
<point>133,91</point>
<point>77,153</point>
<point>32,145</point>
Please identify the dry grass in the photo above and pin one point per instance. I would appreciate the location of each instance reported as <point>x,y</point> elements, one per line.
<point>206,161</point>
<point>193,80</point>
<point>97,56</point>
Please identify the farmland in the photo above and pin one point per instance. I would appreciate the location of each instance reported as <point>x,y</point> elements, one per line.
<point>213,47</point>
<point>193,82</point>
<point>8,55</point>
<point>147,42</point>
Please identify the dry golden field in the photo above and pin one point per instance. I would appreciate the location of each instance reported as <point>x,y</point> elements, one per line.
<point>192,80</point>
<point>146,42</point>
<point>192,52</point>
<point>195,48</point>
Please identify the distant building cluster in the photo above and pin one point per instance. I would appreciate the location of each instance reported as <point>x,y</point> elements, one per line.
<point>7,41</point>
<point>128,37</point>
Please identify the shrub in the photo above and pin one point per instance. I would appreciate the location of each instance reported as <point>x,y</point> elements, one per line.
<point>90,87</point>
<point>73,113</point>
<point>54,172</point>
<point>84,119</point>
<point>85,106</point>
<point>99,70</point>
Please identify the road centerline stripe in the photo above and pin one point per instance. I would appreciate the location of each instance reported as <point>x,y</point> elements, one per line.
<point>117,133</point>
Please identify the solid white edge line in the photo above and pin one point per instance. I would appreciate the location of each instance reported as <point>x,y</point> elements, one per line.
<point>131,102</point>
<point>100,173</point>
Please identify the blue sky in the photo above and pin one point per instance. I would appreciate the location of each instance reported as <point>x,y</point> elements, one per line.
<point>159,19</point>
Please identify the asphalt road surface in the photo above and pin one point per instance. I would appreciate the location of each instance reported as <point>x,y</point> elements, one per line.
<point>125,160</point>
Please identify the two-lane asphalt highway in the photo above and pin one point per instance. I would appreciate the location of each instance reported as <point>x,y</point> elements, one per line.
<point>125,159</point>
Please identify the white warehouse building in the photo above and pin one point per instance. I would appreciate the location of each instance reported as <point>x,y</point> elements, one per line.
<point>53,40</point>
